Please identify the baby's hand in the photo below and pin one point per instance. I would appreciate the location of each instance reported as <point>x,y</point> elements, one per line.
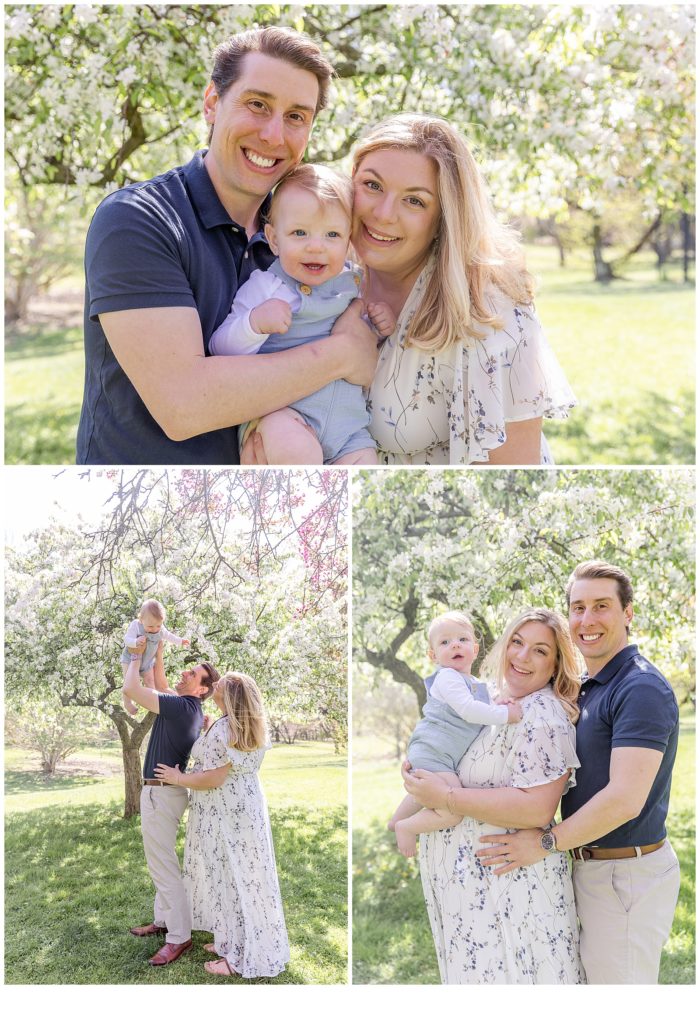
<point>515,712</point>
<point>185,643</point>
<point>382,317</point>
<point>271,317</point>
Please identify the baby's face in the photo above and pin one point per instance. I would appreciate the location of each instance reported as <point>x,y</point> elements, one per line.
<point>453,646</point>
<point>311,240</point>
<point>151,626</point>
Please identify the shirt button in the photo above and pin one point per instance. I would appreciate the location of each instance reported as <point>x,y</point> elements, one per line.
<point>305,289</point>
<point>357,279</point>
<point>245,255</point>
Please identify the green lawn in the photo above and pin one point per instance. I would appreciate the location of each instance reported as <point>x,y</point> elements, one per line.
<point>627,349</point>
<point>392,943</point>
<point>76,878</point>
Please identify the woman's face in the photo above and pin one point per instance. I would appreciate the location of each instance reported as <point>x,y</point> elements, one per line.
<point>397,211</point>
<point>531,658</point>
<point>218,694</point>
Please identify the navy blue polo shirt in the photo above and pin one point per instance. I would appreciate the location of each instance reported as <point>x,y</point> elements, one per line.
<point>627,704</point>
<point>164,242</point>
<point>174,731</point>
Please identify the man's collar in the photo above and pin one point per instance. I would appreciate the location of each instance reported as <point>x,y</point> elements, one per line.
<point>605,674</point>
<point>204,197</point>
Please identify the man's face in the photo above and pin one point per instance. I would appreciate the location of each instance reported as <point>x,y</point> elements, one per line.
<point>191,682</point>
<point>597,621</point>
<point>261,125</point>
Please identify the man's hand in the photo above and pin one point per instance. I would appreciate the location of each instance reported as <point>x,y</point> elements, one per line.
<point>425,787</point>
<point>139,647</point>
<point>357,344</point>
<point>382,318</point>
<point>512,850</point>
<point>271,317</point>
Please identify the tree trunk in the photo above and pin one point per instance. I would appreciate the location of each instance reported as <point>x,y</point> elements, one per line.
<point>603,270</point>
<point>131,734</point>
<point>685,229</point>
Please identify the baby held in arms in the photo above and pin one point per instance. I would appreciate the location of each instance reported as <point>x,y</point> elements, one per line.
<point>297,301</point>
<point>458,705</point>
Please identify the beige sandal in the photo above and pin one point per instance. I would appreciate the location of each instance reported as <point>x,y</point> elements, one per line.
<point>219,967</point>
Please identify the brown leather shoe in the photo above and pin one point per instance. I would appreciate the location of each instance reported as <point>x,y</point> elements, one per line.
<point>169,952</point>
<point>142,931</point>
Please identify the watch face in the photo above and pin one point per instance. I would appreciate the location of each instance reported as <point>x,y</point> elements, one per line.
<point>547,841</point>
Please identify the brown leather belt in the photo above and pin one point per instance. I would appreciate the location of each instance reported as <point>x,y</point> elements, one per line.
<point>156,782</point>
<point>617,853</point>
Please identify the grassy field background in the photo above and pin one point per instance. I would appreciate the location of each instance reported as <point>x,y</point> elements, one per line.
<point>392,943</point>
<point>76,878</point>
<point>627,350</point>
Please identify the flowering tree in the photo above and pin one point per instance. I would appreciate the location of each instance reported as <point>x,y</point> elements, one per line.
<point>569,107</point>
<point>239,568</point>
<point>493,543</point>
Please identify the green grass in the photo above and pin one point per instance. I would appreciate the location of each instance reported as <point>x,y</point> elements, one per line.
<point>627,349</point>
<point>392,943</point>
<point>76,878</point>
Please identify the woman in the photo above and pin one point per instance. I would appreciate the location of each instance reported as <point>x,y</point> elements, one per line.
<point>467,375</point>
<point>229,863</point>
<point>517,928</point>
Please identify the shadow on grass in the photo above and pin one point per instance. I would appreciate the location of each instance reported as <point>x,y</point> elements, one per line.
<point>40,437</point>
<point>623,286</point>
<point>391,939</point>
<point>76,881</point>
<point>653,432</point>
<point>39,342</point>
<point>34,782</point>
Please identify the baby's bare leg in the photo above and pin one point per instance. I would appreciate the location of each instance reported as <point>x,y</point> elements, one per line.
<point>406,808</point>
<point>425,820</point>
<point>128,703</point>
<point>148,679</point>
<point>288,440</point>
<point>361,457</point>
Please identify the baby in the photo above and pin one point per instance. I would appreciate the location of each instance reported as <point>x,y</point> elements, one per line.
<point>297,301</point>
<point>457,707</point>
<point>149,624</point>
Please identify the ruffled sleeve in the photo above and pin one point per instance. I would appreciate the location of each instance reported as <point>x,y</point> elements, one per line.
<point>544,746</point>
<point>246,762</point>
<point>509,376</point>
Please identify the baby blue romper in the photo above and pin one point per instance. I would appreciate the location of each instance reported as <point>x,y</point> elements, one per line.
<point>442,737</point>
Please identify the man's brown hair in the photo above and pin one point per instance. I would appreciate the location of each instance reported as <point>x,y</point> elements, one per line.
<point>602,571</point>
<point>284,44</point>
<point>211,676</point>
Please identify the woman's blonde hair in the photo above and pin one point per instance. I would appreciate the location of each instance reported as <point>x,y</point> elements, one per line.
<point>243,705</point>
<point>566,680</point>
<point>473,249</point>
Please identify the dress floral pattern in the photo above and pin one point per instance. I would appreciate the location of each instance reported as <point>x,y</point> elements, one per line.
<point>229,864</point>
<point>518,928</point>
<point>452,408</point>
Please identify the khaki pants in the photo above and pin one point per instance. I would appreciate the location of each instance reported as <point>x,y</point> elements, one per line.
<point>625,909</point>
<point>162,808</point>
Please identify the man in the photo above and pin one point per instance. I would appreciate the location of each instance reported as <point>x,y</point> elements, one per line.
<point>177,726</point>
<point>165,258</point>
<point>626,876</point>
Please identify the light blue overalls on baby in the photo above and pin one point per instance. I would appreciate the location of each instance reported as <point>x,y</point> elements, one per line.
<point>149,655</point>
<point>442,737</point>
<point>337,412</point>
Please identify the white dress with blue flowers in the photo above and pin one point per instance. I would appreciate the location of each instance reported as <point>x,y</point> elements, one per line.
<point>454,407</point>
<point>521,927</point>
<point>229,864</point>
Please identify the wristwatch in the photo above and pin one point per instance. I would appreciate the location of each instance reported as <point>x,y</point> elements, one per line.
<point>548,841</point>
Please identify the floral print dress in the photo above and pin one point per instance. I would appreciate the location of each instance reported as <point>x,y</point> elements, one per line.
<point>229,864</point>
<point>521,927</point>
<point>453,408</point>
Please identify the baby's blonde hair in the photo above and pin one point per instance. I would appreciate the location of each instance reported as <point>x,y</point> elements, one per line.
<point>459,618</point>
<point>153,611</point>
<point>325,184</point>
<point>243,705</point>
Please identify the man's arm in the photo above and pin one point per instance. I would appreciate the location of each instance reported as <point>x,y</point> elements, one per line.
<point>189,394</point>
<point>522,446</point>
<point>632,773</point>
<point>211,779</point>
<point>141,695</point>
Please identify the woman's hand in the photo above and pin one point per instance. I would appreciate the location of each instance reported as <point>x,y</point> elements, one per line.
<point>425,787</point>
<point>167,774</point>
